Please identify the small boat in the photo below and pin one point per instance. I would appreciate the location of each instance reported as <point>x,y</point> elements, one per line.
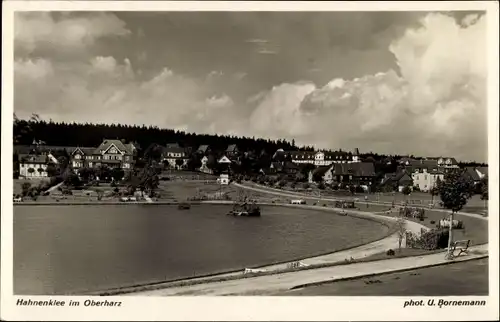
<point>184,206</point>
<point>245,210</point>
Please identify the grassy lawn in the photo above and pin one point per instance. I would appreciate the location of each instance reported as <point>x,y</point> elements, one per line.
<point>462,278</point>
<point>474,204</point>
<point>188,175</point>
<point>474,229</point>
<point>19,182</point>
<point>182,190</point>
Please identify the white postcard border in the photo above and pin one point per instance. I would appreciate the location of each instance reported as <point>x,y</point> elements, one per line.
<point>245,308</point>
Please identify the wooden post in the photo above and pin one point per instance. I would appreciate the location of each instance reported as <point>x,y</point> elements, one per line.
<point>449,254</point>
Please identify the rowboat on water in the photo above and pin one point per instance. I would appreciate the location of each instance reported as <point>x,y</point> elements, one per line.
<point>245,210</point>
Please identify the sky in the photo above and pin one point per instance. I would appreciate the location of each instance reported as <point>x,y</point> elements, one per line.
<point>387,82</point>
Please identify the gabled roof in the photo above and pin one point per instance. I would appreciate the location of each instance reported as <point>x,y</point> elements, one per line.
<point>359,169</point>
<point>23,149</point>
<point>203,148</point>
<point>173,149</point>
<point>452,160</point>
<point>278,153</point>
<point>482,170</point>
<point>471,172</point>
<point>34,159</point>
<point>407,159</point>
<point>107,143</point>
<point>224,159</point>
<point>321,170</point>
<point>84,150</point>
<point>232,148</point>
<point>172,145</point>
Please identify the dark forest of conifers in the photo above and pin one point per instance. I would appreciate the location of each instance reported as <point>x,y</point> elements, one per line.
<point>91,135</point>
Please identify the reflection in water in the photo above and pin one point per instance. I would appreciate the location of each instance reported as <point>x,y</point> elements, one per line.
<point>67,249</point>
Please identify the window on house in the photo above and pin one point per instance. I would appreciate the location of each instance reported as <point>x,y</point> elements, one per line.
<point>425,177</point>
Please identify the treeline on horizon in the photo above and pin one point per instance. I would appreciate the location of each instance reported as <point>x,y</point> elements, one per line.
<point>92,135</point>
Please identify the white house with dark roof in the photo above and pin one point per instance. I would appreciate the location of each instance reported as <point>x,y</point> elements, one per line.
<point>426,178</point>
<point>33,166</point>
<point>82,157</point>
<point>204,166</point>
<point>360,173</point>
<point>232,151</point>
<point>175,156</point>
<point>445,162</point>
<point>115,154</point>
<point>323,158</point>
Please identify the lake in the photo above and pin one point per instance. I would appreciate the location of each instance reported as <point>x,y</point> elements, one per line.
<point>76,249</point>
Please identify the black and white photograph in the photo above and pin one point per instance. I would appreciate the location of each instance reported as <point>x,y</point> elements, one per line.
<point>251,153</point>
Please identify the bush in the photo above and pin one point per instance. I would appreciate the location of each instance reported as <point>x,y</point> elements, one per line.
<point>359,189</point>
<point>67,191</point>
<point>321,186</point>
<point>391,252</point>
<point>430,240</point>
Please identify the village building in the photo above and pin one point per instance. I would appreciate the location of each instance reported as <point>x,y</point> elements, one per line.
<point>114,154</point>
<point>445,162</point>
<point>397,181</point>
<point>359,173</point>
<point>204,166</point>
<point>232,151</point>
<point>82,157</point>
<point>174,156</point>
<point>204,150</point>
<point>426,179</point>
<point>33,166</point>
<point>323,158</point>
<point>482,172</point>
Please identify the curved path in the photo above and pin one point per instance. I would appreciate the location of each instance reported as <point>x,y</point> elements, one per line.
<point>290,194</point>
<point>269,284</point>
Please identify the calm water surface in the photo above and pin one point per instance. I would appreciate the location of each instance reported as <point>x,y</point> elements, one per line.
<point>71,249</point>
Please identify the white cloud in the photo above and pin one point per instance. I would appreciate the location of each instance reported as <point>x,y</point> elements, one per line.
<point>32,29</point>
<point>33,69</point>
<point>106,90</point>
<point>266,52</point>
<point>435,106</point>
<point>278,111</point>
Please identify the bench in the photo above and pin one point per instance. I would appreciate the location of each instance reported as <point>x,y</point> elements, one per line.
<point>461,245</point>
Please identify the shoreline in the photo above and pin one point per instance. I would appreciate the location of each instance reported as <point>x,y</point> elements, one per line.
<point>273,268</point>
<point>237,273</point>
